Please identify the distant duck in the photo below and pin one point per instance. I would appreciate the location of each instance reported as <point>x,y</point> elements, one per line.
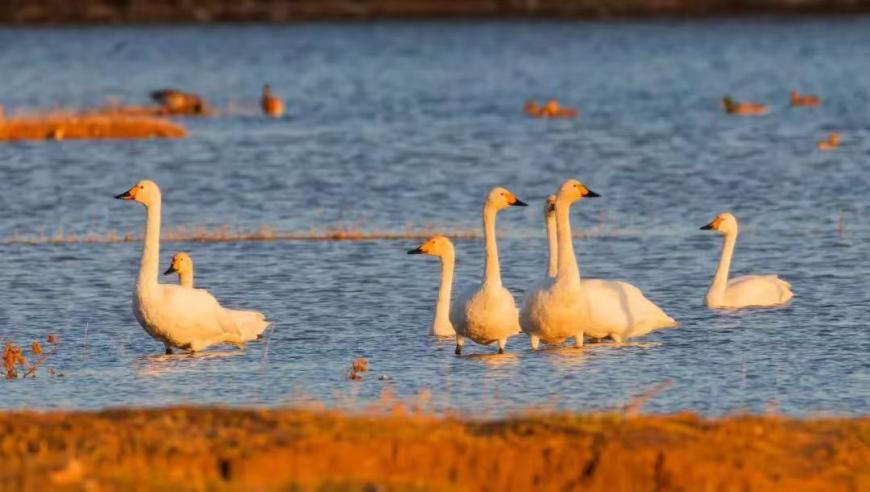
<point>181,317</point>
<point>272,105</point>
<point>809,100</point>
<point>183,266</point>
<point>741,292</point>
<point>441,247</point>
<point>831,143</point>
<point>532,108</point>
<point>554,110</point>
<point>176,102</point>
<point>743,108</point>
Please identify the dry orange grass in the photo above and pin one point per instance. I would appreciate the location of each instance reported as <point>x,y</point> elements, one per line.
<point>201,449</point>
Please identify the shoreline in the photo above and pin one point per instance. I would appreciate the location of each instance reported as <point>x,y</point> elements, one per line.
<point>202,448</point>
<point>117,12</point>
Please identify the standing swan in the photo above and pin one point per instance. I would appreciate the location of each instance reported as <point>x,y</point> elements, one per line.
<point>183,266</point>
<point>553,310</point>
<point>441,247</point>
<point>189,319</point>
<point>487,313</point>
<point>741,292</point>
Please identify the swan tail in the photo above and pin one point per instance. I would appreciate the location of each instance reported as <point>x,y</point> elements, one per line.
<point>251,324</point>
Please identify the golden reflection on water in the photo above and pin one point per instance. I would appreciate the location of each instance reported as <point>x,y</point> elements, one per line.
<point>495,360</point>
<point>162,364</point>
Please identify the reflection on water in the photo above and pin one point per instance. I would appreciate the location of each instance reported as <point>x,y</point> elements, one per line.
<point>396,123</point>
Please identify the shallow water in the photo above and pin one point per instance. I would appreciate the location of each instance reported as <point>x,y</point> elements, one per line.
<point>400,124</point>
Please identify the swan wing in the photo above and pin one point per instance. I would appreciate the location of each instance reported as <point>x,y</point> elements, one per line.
<point>758,290</point>
<point>621,310</point>
<point>194,318</point>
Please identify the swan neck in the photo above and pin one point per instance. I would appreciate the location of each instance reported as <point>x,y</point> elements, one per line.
<point>185,278</point>
<point>492,271</point>
<point>552,245</point>
<point>720,281</point>
<point>442,305</point>
<point>149,265</point>
<point>567,269</point>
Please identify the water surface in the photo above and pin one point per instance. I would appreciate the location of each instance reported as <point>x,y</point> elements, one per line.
<point>399,124</point>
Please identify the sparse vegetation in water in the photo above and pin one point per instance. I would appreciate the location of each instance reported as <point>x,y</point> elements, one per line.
<point>357,368</point>
<point>17,365</point>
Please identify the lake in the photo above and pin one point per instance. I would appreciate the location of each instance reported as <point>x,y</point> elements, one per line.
<point>406,125</point>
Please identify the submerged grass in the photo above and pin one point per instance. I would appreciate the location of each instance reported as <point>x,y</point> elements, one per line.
<point>88,126</point>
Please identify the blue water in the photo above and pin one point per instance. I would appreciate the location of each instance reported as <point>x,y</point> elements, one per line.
<point>396,125</point>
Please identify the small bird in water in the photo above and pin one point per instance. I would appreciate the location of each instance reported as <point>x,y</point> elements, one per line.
<point>743,108</point>
<point>808,100</point>
<point>831,143</point>
<point>272,105</point>
<point>179,103</point>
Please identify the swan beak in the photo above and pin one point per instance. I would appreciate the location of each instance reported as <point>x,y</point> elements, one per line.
<point>519,203</point>
<point>415,251</point>
<point>590,194</point>
<point>708,227</point>
<point>169,270</point>
<point>551,207</point>
<point>127,195</point>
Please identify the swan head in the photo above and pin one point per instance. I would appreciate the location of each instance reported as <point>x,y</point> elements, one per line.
<point>500,198</point>
<point>573,190</point>
<point>181,263</point>
<point>724,223</point>
<point>434,246</point>
<point>145,192</point>
<point>550,207</point>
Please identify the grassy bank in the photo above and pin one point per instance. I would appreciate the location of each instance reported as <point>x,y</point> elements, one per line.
<point>116,11</point>
<point>219,449</point>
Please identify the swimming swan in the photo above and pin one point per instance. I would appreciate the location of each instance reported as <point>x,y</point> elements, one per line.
<point>189,319</point>
<point>183,266</point>
<point>487,313</point>
<point>741,292</point>
<point>553,310</point>
<point>441,247</point>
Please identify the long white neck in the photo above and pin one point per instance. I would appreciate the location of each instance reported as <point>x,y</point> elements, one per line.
<point>492,270</point>
<point>185,278</point>
<point>149,265</point>
<point>720,281</point>
<point>567,269</point>
<point>553,245</point>
<point>442,305</point>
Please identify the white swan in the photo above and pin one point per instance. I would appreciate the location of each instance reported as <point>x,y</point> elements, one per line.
<point>487,313</point>
<point>741,292</point>
<point>182,264</point>
<point>189,319</point>
<point>441,247</point>
<point>553,310</point>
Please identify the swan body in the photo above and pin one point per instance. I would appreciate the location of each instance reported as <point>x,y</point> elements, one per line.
<point>441,247</point>
<point>487,313</point>
<point>741,292</point>
<point>553,310</point>
<point>181,317</point>
<point>620,310</point>
<point>831,143</point>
